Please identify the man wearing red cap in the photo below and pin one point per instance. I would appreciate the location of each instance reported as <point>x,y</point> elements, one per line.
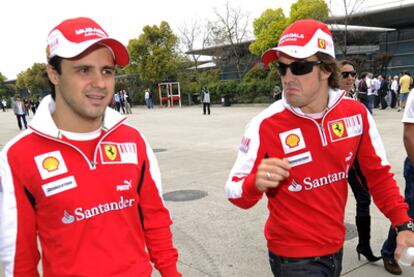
<point>80,179</point>
<point>298,152</point>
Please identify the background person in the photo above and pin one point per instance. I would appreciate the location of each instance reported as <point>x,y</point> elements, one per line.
<point>357,180</point>
<point>405,83</point>
<point>394,92</point>
<point>206,100</point>
<point>390,244</point>
<point>82,179</point>
<point>363,91</point>
<point>298,151</point>
<point>19,110</point>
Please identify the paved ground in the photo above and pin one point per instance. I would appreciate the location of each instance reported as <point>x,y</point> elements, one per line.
<point>196,152</point>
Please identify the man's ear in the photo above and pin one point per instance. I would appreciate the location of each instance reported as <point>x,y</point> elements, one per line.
<point>52,74</point>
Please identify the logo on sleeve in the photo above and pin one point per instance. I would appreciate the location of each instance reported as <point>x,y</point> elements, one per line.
<point>344,128</point>
<point>292,140</point>
<point>244,145</point>
<point>119,153</point>
<point>50,164</point>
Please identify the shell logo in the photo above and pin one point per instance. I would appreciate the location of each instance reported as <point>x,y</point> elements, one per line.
<point>292,140</point>
<point>50,164</point>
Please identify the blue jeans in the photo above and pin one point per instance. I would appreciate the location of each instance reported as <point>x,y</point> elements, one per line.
<point>371,100</point>
<point>324,266</point>
<point>388,248</point>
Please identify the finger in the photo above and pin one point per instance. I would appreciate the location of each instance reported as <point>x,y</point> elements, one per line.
<point>265,184</point>
<point>278,176</point>
<point>275,162</point>
<point>397,253</point>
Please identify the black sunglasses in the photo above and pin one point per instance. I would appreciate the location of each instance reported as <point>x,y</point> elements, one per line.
<point>346,74</point>
<point>297,68</point>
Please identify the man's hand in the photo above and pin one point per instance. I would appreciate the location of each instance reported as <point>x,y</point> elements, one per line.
<point>404,239</point>
<point>271,172</point>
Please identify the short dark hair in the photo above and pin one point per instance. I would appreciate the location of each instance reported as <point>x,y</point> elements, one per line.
<point>330,65</point>
<point>56,63</point>
<point>345,62</point>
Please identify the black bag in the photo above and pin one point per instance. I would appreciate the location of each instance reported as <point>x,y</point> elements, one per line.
<point>362,87</point>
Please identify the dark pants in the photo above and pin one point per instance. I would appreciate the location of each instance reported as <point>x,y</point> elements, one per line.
<point>388,248</point>
<point>359,187</point>
<point>382,100</point>
<point>393,99</point>
<point>206,106</point>
<point>21,118</point>
<point>324,266</point>
<point>363,98</point>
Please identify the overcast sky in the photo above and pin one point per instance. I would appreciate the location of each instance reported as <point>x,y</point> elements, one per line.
<point>24,24</point>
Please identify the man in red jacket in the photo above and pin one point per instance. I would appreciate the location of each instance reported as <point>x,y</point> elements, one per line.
<point>298,152</point>
<point>80,179</point>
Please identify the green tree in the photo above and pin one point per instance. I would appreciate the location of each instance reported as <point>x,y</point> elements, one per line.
<point>34,79</point>
<point>316,9</point>
<point>153,54</point>
<point>270,25</point>
<point>2,78</point>
<point>2,86</point>
<point>267,29</point>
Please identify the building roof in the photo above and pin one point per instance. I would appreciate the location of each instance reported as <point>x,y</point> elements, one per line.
<point>214,50</point>
<point>389,16</point>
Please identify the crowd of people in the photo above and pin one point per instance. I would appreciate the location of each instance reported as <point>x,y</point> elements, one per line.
<point>379,91</point>
<point>120,101</point>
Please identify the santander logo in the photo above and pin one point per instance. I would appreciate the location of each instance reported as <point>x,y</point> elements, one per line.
<point>82,213</point>
<point>310,183</point>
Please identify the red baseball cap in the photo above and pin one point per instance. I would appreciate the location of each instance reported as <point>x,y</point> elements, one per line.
<point>302,39</point>
<point>73,36</point>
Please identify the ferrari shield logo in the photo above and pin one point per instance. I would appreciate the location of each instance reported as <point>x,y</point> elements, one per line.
<point>110,151</point>
<point>115,152</point>
<point>321,43</point>
<point>345,128</point>
<point>338,128</point>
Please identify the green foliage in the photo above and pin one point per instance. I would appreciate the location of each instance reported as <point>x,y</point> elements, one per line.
<point>2,79</point>
<point>256,73</point>
<point>255,87</point>
<point>208,77</point>
<point>270,25</point>
<point>267,30</point>
<point>316,9</point>
<point>34,79</point>
<point>153,54</point>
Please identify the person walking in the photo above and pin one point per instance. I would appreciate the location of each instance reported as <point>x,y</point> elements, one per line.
<point>298,152</point>
<point>206,101</point>
<point>390,244</point>
<point>80,179</point>
<point>356,179</point>
<point>382,91</point>
<point>363,91</point>
<point>405,83</point>
<point>19,110</point>
<point>4,105</point>
<point>394,92</point>
<point>127,102</point>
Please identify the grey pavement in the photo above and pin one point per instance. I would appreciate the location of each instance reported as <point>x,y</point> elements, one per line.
<point>195,154</point>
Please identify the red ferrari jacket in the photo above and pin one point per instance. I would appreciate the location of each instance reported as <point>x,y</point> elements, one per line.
<point>101,215</point>
<point>306,211</point>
